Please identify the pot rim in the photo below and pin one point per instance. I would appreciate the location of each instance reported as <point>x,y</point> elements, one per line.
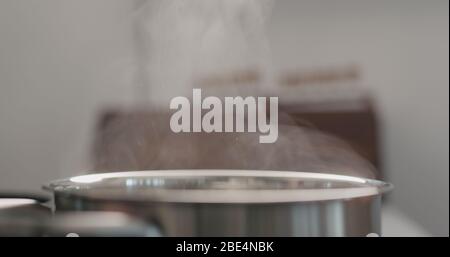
<point>80,186</point>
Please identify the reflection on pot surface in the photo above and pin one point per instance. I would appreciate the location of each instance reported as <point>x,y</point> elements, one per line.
<point>231,202</point>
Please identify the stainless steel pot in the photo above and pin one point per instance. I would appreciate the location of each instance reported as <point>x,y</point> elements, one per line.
<point>231,202</point>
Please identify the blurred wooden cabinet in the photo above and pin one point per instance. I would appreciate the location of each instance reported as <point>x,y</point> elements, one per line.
<point>358,125</point>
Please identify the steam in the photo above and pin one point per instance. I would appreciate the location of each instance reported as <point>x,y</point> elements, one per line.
<point>184,42</point>
<point>220,43</point>
<point>140,140</point>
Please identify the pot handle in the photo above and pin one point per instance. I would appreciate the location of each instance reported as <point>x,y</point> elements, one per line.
<point>16,195</point>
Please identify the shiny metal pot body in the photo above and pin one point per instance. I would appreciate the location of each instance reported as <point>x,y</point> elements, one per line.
<point>226,206</point>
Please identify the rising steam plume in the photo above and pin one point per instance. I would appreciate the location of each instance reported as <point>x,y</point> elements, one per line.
<point>181,42</point>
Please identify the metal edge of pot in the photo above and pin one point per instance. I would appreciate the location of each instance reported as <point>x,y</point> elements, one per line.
<point>60,186</point>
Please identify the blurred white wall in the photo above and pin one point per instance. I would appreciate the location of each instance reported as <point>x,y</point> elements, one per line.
<point>402,48</point>
<point>60,60</point>
<point>53,57</point>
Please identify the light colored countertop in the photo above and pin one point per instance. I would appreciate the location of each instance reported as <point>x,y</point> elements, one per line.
<point>396,223</point>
